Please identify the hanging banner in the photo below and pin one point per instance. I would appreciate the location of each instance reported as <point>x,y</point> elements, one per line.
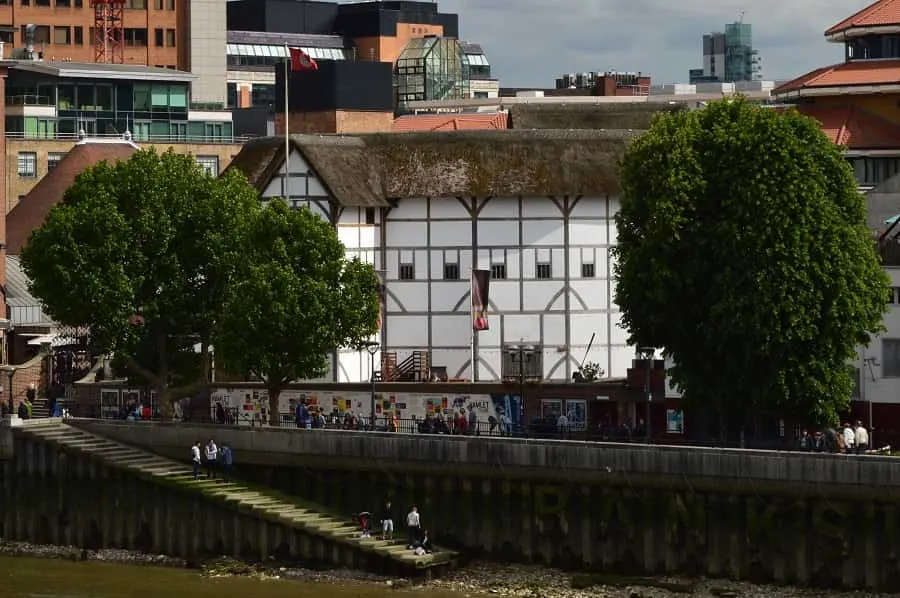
<point>481,281</point>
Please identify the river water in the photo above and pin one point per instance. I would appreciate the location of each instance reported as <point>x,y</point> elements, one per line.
<point>54,578</point>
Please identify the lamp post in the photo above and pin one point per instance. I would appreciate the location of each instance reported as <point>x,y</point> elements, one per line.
<point>47,348</point>
<point>520,354</point>
<point>372,347</point>
<point>10,372</point>
<point>647,353</point>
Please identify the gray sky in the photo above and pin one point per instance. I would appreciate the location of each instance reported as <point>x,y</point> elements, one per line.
<point>530,43</point>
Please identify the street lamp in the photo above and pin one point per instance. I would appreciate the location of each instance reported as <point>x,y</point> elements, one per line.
<point>647,353</point>
<point>521,354</point>
<point>10,372</point>
<point>372,347</point>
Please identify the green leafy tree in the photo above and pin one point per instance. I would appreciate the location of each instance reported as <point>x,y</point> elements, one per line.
<point>295,299</point>
<point>141,252</point>
<point>743,251</point>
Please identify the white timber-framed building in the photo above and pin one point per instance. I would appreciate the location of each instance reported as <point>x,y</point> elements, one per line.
<point>535,207</point>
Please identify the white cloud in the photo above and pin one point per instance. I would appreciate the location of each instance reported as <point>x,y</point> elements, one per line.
<point>530,43</point>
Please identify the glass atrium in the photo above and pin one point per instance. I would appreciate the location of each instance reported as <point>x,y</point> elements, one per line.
<point>431,68</point>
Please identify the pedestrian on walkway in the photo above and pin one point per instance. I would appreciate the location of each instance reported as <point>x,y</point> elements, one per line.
<point>387,522</point>
<point>195,459</point>
<point>212,455</point>
<point>413,522</point>
<point>227,460</point>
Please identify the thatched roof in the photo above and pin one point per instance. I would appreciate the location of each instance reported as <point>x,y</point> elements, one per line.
<point>613,115</point>
<point>378,169</point>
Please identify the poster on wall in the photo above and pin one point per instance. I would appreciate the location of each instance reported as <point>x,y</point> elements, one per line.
<point>576,413</point>
<point>109,403</point>
<point>245,406</point>
<point>674,421</point>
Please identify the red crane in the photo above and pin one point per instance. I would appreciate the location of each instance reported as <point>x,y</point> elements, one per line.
<point>109,30</point>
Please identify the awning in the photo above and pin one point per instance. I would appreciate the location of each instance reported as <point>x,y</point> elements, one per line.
<point>55,340</point>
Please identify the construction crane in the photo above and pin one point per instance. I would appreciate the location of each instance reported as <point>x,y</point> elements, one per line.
<point>109,30</point>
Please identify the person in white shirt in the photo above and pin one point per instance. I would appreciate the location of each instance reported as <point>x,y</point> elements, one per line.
<point>562,424</point>
<point>849,439</point>
<point>212,455</point>
<point>413,523</point>
<point>195,459</point>
<point>862,439</point>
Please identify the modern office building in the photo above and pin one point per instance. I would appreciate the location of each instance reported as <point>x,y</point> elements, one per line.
<point>49,106</point>
<point>186,35</point>
<point>728,57</point>
<point>421,44</point>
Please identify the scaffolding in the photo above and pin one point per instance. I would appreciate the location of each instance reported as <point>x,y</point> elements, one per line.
<point>109,31</point>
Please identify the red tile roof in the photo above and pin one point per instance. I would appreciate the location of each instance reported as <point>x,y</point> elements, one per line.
<point>882,13</point>
<point>858,72</point>
<point>451,122</point>
<point>30,213</point>
<point>855,128</point>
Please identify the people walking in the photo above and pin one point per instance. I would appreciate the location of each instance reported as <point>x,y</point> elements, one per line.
<point>227,460</point>
<point>387,522</point>
<point>212,455</point>
<point>413,523</point>
<point>195,459</point>
<point>862,439</point>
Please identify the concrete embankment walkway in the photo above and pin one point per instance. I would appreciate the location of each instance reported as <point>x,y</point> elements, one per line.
<point>304,517</point>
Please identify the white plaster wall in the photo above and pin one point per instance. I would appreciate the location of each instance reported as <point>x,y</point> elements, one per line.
<point>881,389</point>
<point>432,312</point>
<point>523,308</point>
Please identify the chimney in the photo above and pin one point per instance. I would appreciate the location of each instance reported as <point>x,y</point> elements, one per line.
<point>29,40</point>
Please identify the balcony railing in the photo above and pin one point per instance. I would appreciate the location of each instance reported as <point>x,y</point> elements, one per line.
<point>208,106</point>
<point>29,100</point>
<point>143,139</point>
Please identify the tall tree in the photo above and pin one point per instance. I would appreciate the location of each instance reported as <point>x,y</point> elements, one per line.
<point>141,252</point>
<point>295,299</point>
<point>743,251</point>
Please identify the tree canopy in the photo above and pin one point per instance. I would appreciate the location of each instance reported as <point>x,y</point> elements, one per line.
<point>295,299</point>
<point>142,252</point>
<point>743,252</point>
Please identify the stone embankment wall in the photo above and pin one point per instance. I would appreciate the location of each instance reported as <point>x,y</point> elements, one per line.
<point>791,518</point>
<point>52,496</point>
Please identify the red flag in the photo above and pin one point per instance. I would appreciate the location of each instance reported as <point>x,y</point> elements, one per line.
<point>301,61</point>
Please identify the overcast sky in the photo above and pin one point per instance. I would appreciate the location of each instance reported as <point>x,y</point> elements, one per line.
<point>529,42</point>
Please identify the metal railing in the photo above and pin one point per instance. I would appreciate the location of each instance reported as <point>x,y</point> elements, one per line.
<point>534,430</point>
<point>29,100</point>
<point>196,139</point>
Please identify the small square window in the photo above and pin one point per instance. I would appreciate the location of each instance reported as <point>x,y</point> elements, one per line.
<point>498,271</point>
<point>587,271</point>
<point>451,271</point>
<point>370,215</point>
<point>407,272</point>
<point>544,272</point>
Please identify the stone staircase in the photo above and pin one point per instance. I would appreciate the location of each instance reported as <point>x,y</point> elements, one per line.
<point>301,516</point>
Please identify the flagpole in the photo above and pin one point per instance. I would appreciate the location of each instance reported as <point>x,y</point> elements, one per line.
<point>472,320</point>
<point>287,135</point>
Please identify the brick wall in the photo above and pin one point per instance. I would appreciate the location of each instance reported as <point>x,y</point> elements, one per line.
<point>336,121</point>
<point>26,374</point>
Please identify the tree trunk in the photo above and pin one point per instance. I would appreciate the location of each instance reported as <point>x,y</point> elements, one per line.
<point>164,402</point>
<point>274,413</point>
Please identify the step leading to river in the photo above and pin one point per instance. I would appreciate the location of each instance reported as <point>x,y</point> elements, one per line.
<point>338,533</point>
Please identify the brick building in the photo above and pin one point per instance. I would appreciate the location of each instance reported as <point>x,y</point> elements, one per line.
<point>187,35</point>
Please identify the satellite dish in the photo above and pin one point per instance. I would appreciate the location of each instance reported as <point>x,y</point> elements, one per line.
<point>81,134</point>
<point>127,135</point>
